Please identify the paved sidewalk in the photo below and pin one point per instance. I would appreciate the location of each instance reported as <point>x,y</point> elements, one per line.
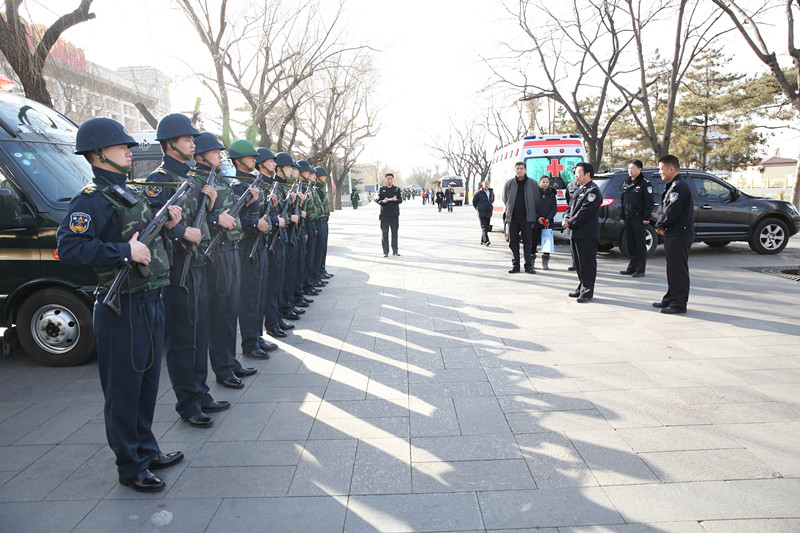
<point>434,392</point>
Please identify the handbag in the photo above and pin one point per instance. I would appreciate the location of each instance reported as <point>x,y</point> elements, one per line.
<point>548,246</point>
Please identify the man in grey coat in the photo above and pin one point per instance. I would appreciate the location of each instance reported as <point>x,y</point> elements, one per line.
<point>520,196</point>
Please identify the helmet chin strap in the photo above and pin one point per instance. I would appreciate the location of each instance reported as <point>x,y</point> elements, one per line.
<point>103,159</point>
<point>206,161</point>
<point>184,156</point>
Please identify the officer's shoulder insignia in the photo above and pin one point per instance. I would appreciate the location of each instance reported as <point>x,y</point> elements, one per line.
<point>591,197</point>
<point>152,191</point>
<point>79,222</point>
<point>650,190</point>
<point>672,196</point>
<point>161,170</point>
<point>89,189</point>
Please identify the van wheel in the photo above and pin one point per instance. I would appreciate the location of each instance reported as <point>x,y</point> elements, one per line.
<point>770,236</point>
<point>650,240</point>
<point>54,328</point>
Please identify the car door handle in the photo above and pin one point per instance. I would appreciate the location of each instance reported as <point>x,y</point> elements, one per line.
<point>706,206</point>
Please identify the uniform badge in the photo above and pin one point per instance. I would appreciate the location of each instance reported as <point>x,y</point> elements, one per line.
<point>89,189</point>
<point>673,196</point>
<point>650,190</point>
<point>79,222</point>
<point>592,197</point>
<point>151,191</point>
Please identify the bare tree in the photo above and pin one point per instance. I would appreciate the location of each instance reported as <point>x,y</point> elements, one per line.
<point>27,57</point>
<point>750,29</point>
<point>462,150</point>
<point>421,176</point>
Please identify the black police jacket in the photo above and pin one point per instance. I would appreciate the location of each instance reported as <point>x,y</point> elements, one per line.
<point>390,208</point>
<point>482,202</point>
<point>583,211</point>
<point>637,199</point>
<point>677,213</point>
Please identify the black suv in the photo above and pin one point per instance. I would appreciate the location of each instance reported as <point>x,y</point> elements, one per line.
<point>49,303</point>
<point>722,213</point>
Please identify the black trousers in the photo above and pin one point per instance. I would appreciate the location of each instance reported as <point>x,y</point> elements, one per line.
<point>291,269</point>
<point>276,257</point>
<point>676,252</point>
<point>635,235</point>
<point>129,361</point>
<point>584,252</point>
<point>486,222</point>
<point>515,228</point>
<point>388,223</point>
<point>186,339</point>
<point>252,292</point>
<point>223,295</point>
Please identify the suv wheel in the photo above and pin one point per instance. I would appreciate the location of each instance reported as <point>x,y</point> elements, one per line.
<point>54,328</point>
<point>770,236</point>
<point>650,240</point>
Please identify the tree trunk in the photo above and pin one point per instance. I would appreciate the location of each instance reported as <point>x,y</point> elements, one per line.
<point>338,196</point>
<point>796,188</point>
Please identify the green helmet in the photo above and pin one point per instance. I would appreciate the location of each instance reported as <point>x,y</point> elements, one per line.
<point>241,148</point>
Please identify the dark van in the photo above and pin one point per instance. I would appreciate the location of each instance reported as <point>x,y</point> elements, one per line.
<point>45,305</point>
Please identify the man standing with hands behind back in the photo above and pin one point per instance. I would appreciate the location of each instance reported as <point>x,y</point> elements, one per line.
<point>581,220</point>
<point>520,196</point>
<point>389,198</point>
<point>676,225</point>
<point>636,207</point>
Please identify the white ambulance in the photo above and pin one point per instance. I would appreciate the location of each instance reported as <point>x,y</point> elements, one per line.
<point>544,155</point>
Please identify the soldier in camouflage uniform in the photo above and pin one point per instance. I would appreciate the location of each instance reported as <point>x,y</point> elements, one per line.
<point>322,190</point>
<point>100,230</point>
<point>186,335</point>
<point>314,212</point>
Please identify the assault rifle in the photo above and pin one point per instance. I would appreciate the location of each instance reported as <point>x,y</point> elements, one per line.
<point>191,251</point>
<point>297,211</point>
<point>234,211</point>
<point>255,243</point>
<point>147,236</point>
<point>283,213</point>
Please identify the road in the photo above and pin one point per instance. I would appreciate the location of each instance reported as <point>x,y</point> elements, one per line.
<point>435,392</point>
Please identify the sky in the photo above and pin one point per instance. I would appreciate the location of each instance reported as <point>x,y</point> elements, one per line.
<point>429,59</point>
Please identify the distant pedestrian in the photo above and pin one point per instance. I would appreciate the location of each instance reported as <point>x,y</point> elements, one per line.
<point>676,225</point>
<point>448,198</point>
<point>354,199</point>
<point>546,209</point>
<point>520,196</point>
<point>439,198</point>
<point>389,197</point>
<point>581,219</point>
<point>636,207</point>
<point>482,202</point>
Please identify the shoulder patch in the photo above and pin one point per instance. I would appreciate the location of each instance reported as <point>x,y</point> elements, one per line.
<point>89,189</point>
<point>79,222</point>
<point>650,190</point>
<point>161,170</point>
<point>151,191</point>
<point>592,197</point>
<point>673,196</point>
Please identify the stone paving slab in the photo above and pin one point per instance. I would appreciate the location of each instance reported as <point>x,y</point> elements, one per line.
<point>427,393</point>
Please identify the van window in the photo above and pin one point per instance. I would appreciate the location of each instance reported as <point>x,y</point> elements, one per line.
<point>560,168</point>
<point>52,169</point>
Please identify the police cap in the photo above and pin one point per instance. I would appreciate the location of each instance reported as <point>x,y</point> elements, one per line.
<point>264,154</point>
<point>207,141</point>
<point>320,171</point>
<point>282,159</point>
<point>304,166</point>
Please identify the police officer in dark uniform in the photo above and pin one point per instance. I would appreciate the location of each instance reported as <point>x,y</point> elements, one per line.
<point>581,219</point>
<point>637,205</point>
<point>322,179</point>
<point>222,269</point>
<point>256,224</point>
<point>389,197</point>
<point>186,308</point>
<point>100,230</point>
<point>676,224</point>
<point>276,245</point>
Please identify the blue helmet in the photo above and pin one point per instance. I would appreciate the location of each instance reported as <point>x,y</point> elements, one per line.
<point>282,159</point>
<point>320,171</point>
<point>207,141</point>
<point>241,148</point>
<point>100,132</point>
<point>175,125</point>
<point>264,154</point>
<point>304,166</point>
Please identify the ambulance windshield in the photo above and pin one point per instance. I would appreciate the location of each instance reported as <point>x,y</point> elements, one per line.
<point>559,168</point>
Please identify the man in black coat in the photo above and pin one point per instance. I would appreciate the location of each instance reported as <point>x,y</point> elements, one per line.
<point>636,207</point>
<point>482,202</point>
<point>676,224</point>
<point>581,220</point>
<point>389,197</point>
<point>520,196</point>
<point>448,198</point>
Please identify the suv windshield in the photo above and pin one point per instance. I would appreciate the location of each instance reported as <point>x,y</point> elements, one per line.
<point>602,182</point>
<point>53,170</point>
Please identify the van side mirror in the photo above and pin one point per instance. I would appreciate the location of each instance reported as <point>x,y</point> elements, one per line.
<point>10,217</point>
